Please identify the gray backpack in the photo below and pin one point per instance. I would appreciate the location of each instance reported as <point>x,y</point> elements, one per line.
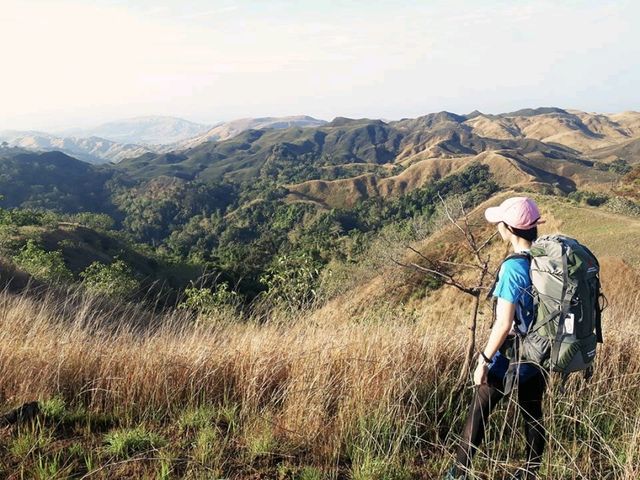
<point>567,295</point>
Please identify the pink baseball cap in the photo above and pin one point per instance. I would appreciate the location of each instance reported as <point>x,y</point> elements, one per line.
<point>517,212</point>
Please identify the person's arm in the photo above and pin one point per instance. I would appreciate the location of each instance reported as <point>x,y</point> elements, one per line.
<point>505,312</point>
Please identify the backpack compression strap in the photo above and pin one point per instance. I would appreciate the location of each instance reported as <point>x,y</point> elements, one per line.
<point>599,309</point>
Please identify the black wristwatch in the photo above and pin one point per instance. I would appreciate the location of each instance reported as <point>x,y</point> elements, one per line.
<point>486,359</point>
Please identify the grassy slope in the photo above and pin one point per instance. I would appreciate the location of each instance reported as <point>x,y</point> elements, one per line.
<point>612,238</point>
<point>509,168</point>
<point>325,394</point>
<point>81,246</point>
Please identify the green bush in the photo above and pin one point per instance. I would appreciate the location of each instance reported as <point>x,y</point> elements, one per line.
<point>593,199</point>
<point>30,440</point>
<point>620,166</point>
<point>197,418</point>
<point>20,217</point>
<point>206,301</point>
<point>125,443</point>
<point>54,408</point>
<point>97,221</point>
<point>115,280</point>
<point>43,265</point>
<point>207,444</point>
<point>623,206</point>
<point>291,280</point>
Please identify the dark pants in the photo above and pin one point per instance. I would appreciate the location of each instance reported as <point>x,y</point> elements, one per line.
<point>486,398</point>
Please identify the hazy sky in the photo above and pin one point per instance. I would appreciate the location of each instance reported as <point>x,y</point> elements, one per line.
<point>72,62</point>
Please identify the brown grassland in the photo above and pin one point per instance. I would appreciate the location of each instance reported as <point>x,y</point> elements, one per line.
<point>358,393</point>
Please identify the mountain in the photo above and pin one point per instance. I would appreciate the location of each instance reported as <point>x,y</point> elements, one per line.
<point>339,163</point>
<point>150,130</point>
<point>346,148</point>
<point>94,148</point>
<point>226,130</point>
<point>581,131</point>
<point>293,152</point>
<point>89,149</point>
<point>53,180</point>
<point>235,205</point>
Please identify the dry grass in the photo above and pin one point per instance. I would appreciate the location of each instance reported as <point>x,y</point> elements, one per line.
<point>351,397</point>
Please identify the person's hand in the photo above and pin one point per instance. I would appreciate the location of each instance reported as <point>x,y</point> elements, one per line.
<point>480,374</point>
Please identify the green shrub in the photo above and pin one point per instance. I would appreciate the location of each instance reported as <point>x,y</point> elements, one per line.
<point>30,440</point>
<point>125,443</point>
<point>620,166</point>
<point>115,280</point>
<point>206,301</point>
<point>623,206</point>
<point>21,217</point>
<point>310,473</point>
<point>49,467</point>
<point>378,468</point>
<point>197,418</point>
<point>291,280</point>
<point>55,408</point>
<point>76,450</point>
<point>593,199</point>
<point>96,221</point>
<point>207,448</point>
<point>43,265</point>
<point>261,443</point>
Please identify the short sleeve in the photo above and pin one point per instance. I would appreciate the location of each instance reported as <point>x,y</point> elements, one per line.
<point>512,281</point>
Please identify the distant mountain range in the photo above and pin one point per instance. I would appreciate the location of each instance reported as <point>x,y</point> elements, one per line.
<point>150,130</point>
<point>344,161</point>
<point>115,141</point>
<point>87,149</point>
<point>349,159</point>
<point>226,130</point>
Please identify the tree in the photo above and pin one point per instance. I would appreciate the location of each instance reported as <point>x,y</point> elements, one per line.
<point>43,265</point>
<point>115,280</point>
<point>208,301</point>
<point>291,280</point>
<point>449,273</point>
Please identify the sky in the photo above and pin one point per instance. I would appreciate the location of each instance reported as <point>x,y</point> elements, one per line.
<point>73,63</point>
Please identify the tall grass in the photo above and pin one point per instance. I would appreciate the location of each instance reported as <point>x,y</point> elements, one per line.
<point>366,396</point>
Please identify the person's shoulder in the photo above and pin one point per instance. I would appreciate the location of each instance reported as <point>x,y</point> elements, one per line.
<point>515,261</point>
<point>516,265</point>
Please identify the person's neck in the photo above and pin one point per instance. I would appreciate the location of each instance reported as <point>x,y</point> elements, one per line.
<point>520,244</point>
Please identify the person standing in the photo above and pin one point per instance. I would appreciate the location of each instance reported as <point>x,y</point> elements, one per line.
<point>516,219</point>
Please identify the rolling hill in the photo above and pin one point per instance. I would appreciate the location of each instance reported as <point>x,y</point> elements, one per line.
<point>116,141</point>
<point>149,130</point>
<point>607,235</point>
<point>53,180</point>
<point>227,130</point>
<point>88,149</point>
<point>352,159</point>
<point>339,163</point>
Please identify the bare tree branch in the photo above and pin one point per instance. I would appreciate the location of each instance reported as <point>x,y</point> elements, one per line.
<point>447,270</point>
<point>486,242</point>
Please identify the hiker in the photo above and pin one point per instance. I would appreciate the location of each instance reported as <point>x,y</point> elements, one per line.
<point>517,219</point>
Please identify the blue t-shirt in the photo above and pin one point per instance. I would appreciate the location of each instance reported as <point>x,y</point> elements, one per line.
<point>514,286</point>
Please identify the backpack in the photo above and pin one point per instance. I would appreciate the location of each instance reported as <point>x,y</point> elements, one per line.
<point>567,323</point>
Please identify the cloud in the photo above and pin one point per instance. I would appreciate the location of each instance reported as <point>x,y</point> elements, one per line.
<point>208,13</point>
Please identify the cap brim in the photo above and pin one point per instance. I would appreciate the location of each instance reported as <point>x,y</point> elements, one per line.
<point>493,214</point>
